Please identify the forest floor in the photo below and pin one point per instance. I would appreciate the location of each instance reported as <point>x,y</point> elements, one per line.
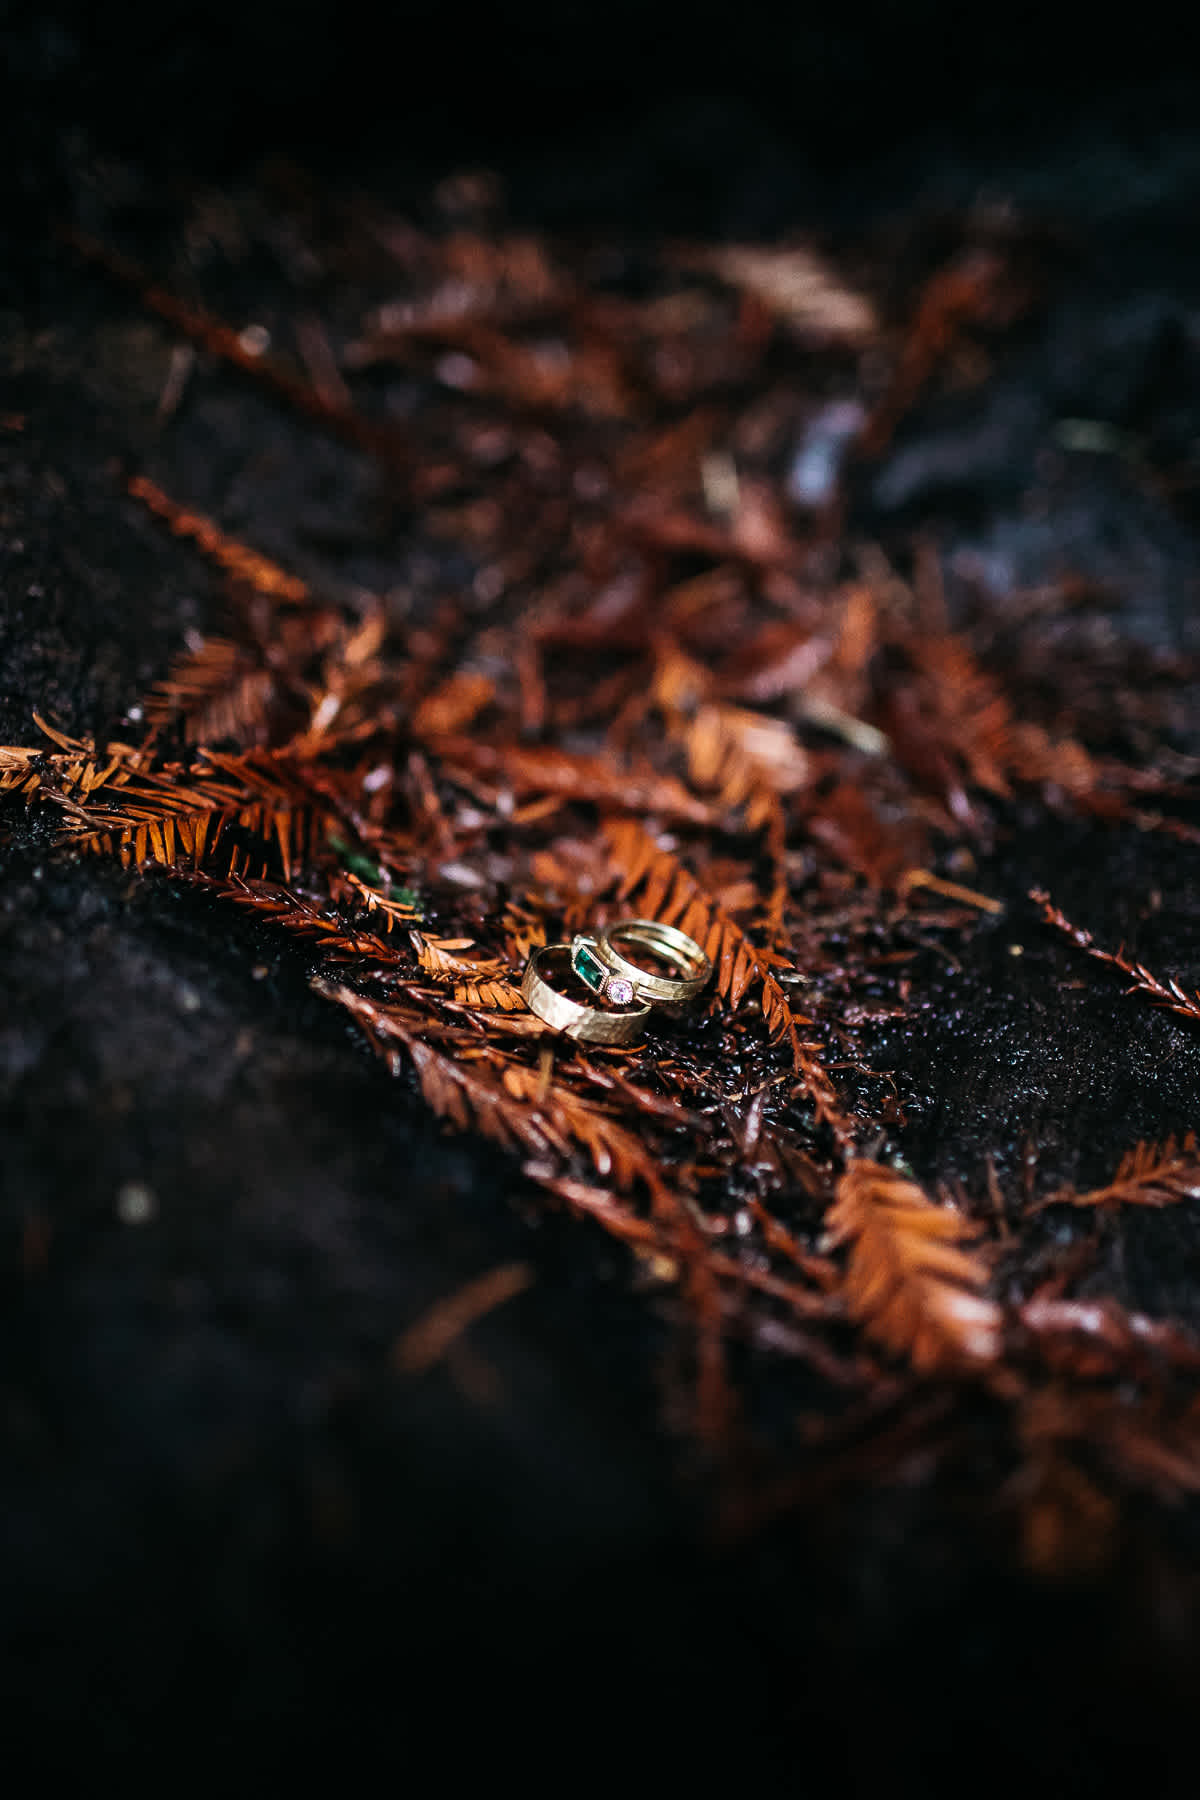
<point>816,1379</point>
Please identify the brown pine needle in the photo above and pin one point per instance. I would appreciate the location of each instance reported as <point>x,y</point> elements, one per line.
<point>509,1111</point>
<point>1166,994</point>
<point>1147,1175</point>
<point>751,761</point>
<point>428,1339</point>
<point>1125,1338</point>
<point>908,1281</point>
<point>949,890</point>
<point>236,559</point>
<point>382,439</point>
<point>219,691</point>
<point>528,770</point>
<point>442,959</point>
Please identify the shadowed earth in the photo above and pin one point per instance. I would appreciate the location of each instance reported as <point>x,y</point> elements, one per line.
<point>227,1524</point>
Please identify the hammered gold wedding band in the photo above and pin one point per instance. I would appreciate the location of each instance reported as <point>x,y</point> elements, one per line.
<point>663,944</point>
<point>589,1024</point>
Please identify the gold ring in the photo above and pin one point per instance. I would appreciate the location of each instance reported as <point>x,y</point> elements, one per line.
<point>601,962</point>
<point>589,1024</point>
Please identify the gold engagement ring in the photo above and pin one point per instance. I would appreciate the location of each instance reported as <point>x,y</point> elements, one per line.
<point>614,963</point>
<point>555,963</point>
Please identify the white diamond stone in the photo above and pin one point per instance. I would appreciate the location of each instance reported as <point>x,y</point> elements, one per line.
<point>620,991</point>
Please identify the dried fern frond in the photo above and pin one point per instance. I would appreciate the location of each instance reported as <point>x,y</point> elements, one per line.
<point>347,887</point>
<point>1075,1333</point>
<point>1166,994</point>
<point>752,762</point>
<point>973,715</point>
<point>972,722</point>
<point>747,757</point>
<point>533,770</point>
<point>522,1110</point>
<point>1149,1442</point>
<point>524,931</point>
<point>517,1109</point>
<point>181,817</point>
<point>795,283</point>
<point>190,839</point>
<point>71,771</point>
<point>440,957</point>
<point>67,776</point>
<point>879,842</point>
<point>218,690</point>
<point>337,942</point>
<point>547,1121</point>
<point>453,1088</point>
<point>1147,1175</point>
<point>490,996</point>
<point>247,565</point>
<point>909,1282</point>
<point>454,705</point>
<point>182,814</point>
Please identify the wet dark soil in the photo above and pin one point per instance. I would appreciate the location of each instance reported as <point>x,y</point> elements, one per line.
<point>226,1527</point>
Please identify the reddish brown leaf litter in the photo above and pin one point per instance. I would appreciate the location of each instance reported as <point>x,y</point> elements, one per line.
<point>1147,1175</point>
<point>909,1281</point>
<point>668,687</point>
<point>1142,981</point>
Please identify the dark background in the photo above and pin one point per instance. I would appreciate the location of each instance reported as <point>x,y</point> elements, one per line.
<point>669,113</point>
<point>227,1531</point>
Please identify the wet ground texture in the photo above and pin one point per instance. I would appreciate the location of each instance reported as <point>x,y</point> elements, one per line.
<point>227,1525</point>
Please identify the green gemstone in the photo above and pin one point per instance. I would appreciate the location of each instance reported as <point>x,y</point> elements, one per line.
<point>588,967</point>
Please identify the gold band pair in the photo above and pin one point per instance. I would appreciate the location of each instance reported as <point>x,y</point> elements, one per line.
<point>629,989</point>
<point>620,970</point>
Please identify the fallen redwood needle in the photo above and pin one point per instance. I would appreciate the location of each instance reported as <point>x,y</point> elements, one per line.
<point>428,1338</point>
